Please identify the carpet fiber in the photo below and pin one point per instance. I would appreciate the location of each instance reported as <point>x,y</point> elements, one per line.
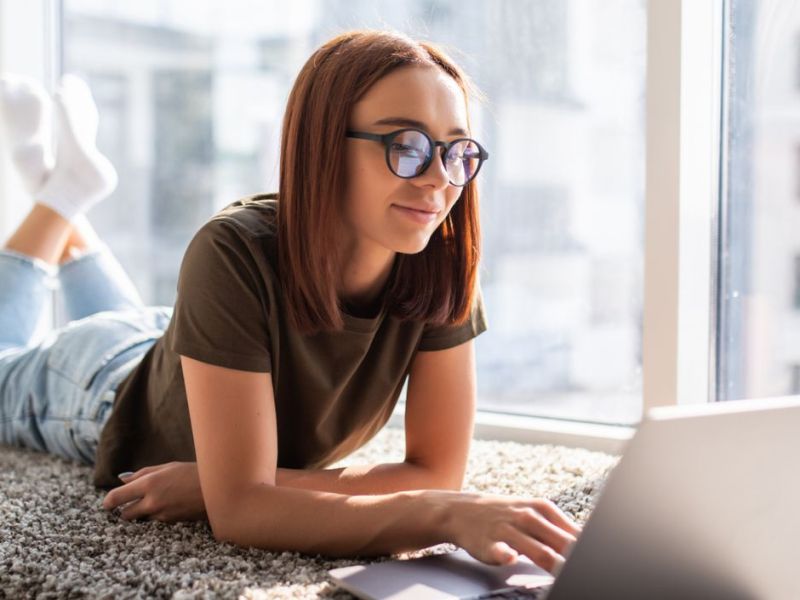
<point>56,540</point>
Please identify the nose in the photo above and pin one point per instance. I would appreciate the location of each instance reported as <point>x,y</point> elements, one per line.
<point>435,174</point>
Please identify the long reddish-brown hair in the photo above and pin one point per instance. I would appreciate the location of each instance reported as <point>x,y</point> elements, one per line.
<point>437,285</point>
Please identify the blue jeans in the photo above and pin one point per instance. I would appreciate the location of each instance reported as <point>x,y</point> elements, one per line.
<point>56,393</point>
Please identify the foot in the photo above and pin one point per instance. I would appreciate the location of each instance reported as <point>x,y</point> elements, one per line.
<point>26,111</point>
<point>82,176</point>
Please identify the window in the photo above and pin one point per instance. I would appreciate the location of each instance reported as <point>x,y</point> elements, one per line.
<point>797,282</point>
<point>192,99</point>
<point>797,59</point>
<point>795,389</point>
<point>760,272</point>
<point>797,171</point>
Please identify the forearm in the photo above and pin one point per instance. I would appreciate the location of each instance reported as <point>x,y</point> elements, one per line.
<point>362,479</point>
<point>284,518</point>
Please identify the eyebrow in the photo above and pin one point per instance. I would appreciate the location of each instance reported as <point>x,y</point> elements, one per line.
<point>406,122</point>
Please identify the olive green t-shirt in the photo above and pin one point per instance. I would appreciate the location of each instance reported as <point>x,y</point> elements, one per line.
<point>333,390</point>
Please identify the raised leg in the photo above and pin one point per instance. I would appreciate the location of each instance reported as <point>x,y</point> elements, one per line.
<point>95,281</point>
<point>82,239</point>
<point>43,234</point>
<point>27,272</point>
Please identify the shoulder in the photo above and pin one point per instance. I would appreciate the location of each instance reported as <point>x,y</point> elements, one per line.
<point>253,216</point>
<point>249,223</point>
<point>439,337</point>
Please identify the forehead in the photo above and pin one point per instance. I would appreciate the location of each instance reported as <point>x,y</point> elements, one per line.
<point>425,94</point>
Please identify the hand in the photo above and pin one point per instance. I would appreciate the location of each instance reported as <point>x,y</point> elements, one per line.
<point>495,529</point>
<point>169,492</point>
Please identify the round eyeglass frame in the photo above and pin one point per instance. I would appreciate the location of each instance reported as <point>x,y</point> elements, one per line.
<point>386,140</point>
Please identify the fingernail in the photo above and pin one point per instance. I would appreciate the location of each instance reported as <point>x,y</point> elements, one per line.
<point>125,474</point>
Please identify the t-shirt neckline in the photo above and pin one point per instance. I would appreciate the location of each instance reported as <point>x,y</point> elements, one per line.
<point>363,324</point>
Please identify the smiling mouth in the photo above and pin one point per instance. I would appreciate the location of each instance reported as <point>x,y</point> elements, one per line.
<point>419,210</point>
<point>422,217</point>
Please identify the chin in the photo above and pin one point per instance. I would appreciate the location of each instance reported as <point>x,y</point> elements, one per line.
<point>414,246</point>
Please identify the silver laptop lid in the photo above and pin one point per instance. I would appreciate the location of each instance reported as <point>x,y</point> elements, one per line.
<point>437,577</point>
<point>703,504</point>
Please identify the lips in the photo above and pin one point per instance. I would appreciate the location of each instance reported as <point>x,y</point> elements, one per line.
<point>421,217</point>
<point>423,209</point>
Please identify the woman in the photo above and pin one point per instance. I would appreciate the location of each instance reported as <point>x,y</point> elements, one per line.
<point>297,319</point>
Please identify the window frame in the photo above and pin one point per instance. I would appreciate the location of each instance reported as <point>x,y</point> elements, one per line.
<point>684,121</point>
<point>30,24</point>
<point>683,159</point>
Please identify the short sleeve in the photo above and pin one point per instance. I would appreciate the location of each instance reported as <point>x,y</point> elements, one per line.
<point>447,336</point>
<point>221,310</point>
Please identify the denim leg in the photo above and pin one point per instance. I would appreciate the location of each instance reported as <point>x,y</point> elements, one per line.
<point>56,395</point>
<point>96,282</point>
<point>26,285</point>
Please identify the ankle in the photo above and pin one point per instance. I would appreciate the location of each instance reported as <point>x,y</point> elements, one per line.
<point>71,253</point>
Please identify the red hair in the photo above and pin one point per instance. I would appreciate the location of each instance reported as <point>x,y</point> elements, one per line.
<point>438,284</point>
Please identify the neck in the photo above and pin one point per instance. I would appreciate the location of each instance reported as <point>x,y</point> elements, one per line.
<point>363,274</point>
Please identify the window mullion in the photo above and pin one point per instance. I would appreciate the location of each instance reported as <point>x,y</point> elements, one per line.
<point>682,130</point>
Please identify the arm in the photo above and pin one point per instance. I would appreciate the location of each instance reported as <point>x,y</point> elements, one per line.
<point>440,411</point>
<point>337,525</point>
<point>441,390</point>
<point>362,479</point>
<point>232,414</point>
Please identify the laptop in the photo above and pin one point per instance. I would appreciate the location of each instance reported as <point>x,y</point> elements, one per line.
<point>704,503</point>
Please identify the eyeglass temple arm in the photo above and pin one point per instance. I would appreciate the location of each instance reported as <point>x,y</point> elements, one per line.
<point>364,135</point>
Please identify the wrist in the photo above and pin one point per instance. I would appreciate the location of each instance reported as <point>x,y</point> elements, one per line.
<point>443,510</point>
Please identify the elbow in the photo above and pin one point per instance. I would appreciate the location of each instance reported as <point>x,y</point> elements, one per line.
<point>447,483</point>
<point>454,486</point>
<point>225,522</point>
<point>238,520</point>
<point>439,478</point>
<point>220,531</point>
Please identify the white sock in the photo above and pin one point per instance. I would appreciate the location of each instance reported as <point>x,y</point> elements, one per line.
<point>82,176</point>
<point>26,110</point>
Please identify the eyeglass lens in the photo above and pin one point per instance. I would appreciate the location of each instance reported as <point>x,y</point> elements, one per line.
<point>411,150</point>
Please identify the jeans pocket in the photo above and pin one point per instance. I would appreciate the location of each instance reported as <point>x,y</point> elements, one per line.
<point>84,347</point>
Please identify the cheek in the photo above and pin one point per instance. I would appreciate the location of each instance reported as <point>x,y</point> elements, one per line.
<point>453,196</point>
<point>369,185</point>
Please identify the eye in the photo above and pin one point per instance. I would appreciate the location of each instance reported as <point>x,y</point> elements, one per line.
<point>405,149</point>
<point>462,153</point>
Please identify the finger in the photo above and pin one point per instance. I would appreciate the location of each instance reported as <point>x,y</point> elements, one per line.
<point>541,554</point>
<point>135,510</point>
<point>125,493</point>
<point>142,471</point>
<point>533,523</point>
<point>504,553</point>
<point>116,497</point>
<point>121,506</point>
<point>558,517</point>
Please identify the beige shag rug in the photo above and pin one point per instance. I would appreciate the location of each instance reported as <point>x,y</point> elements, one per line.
<point>56,540</point>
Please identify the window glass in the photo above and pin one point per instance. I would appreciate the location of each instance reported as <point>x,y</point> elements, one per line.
<point>191,98</point>
<point>759,353</point>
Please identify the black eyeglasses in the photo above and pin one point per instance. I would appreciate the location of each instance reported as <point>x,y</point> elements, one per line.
<point>409,152</point>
